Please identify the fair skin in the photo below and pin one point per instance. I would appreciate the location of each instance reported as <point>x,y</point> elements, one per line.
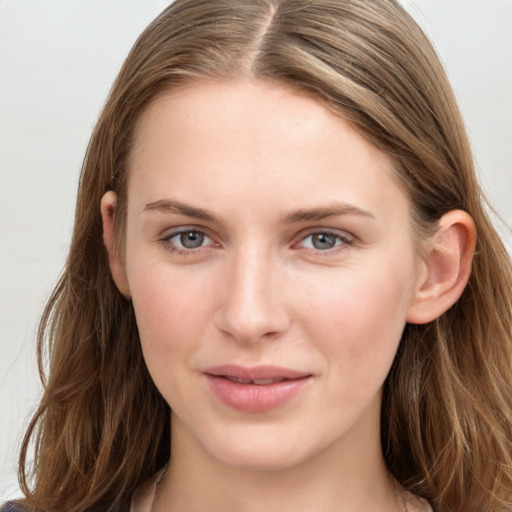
<point>263,230</point>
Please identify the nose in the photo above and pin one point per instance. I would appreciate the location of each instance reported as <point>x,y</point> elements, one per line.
<point>252,301</point>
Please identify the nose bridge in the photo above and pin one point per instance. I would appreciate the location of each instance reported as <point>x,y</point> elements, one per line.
<point>252,305</point>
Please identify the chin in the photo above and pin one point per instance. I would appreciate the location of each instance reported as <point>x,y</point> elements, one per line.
<point>255,460</point>
<point>262,451</point>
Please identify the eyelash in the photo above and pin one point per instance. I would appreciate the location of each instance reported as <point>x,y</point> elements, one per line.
<point>344,240</point>
<point>173,248</point>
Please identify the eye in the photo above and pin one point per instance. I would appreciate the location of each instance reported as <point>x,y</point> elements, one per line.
<point>187,240</point>
<point>190,239</point>
<point>325,240</point>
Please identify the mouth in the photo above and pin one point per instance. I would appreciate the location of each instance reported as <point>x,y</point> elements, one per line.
<point>256,389</point>
<point>257,382</point>
<point>264,374</point>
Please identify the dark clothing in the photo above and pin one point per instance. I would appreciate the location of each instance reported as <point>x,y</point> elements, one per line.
<point>11,507</point>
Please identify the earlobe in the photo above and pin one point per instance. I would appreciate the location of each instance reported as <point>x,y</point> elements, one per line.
<point>108,215</point>
<point>447,261</point>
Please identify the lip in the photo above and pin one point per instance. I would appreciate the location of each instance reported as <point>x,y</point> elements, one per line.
<point>253,397</point>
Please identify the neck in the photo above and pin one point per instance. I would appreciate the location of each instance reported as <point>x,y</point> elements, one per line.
<point>348,476</point>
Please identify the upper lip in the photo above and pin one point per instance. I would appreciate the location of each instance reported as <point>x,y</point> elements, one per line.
<point>261,372</point>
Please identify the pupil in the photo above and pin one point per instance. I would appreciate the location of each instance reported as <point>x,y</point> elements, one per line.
<point>324,241</point>
<point>191,239</point>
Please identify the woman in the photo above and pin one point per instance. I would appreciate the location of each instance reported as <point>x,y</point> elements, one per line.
<point>276,239</point>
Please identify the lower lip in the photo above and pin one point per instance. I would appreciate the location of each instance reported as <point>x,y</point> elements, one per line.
<point>254,398</point>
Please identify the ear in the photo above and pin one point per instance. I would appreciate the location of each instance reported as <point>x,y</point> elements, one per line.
<point>447,260</point>
<point>108,215</point>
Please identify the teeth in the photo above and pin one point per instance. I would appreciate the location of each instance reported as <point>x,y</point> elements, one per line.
<point>242,381</point>
<point>258,382</point>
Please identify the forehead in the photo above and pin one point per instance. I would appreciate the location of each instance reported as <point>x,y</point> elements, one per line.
<point>220,140</point>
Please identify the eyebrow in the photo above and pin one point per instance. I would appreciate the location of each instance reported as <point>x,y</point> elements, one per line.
<point>302,215</point>
<point>333,210</point>
<point>172,206</point>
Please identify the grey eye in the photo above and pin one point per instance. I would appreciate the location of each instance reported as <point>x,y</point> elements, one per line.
<point>191,239</point>
<point>323,241</point>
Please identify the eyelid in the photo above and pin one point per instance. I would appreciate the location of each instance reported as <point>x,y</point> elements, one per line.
<point>173,232</point>
<point>169,232</point>
<point>346,238</point>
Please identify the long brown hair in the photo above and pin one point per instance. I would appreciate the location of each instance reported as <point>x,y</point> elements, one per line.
<point>102,426</point>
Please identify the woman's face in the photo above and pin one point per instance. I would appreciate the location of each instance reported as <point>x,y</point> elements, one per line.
<point>271,264</point>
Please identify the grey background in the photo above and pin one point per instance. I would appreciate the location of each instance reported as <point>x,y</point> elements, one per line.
<point>57,61</point>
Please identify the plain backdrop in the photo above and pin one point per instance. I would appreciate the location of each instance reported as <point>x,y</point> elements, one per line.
<point>58,59</point>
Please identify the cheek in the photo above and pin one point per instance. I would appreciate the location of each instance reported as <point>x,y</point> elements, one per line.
<point>172,311</point>
<point>172,317</point>
<point>357,316</point>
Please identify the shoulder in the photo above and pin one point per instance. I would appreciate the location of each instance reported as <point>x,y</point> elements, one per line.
<point>12,507</point>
